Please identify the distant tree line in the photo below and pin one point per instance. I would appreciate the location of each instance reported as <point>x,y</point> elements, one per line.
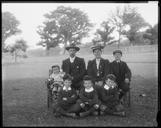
<point>66,25</point>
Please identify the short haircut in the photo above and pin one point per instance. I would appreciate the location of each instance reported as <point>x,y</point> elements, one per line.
<point>97,49</point>
<point>117,51</point>
<point>67,77</point>
<point>54,66</point>
<point>87,77</point>
<point>111,77</point>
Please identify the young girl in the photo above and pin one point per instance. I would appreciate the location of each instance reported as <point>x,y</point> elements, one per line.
<point>56,78</point>
<point>109,97</point>
<point>67,98</point>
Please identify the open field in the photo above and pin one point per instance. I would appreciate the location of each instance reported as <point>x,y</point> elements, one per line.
<point>25,97</point>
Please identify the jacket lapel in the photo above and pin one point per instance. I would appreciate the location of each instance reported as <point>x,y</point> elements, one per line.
<point>68,65</point>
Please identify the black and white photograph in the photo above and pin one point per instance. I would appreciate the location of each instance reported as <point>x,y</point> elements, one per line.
<point>80,64</point>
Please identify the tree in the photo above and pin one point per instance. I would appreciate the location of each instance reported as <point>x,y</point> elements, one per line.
<point>135,22</point>
<point>64,25</point>
<point>116,20</point>
<point>104,34</point>
<point>128,16</point>
<point>9,27</point>
<point>152,34</point>
<point>19,46</point>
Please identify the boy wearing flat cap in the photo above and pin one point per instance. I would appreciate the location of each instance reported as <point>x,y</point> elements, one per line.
<point>74,66</point>
<point>98,68</point>
<point>122,72</point>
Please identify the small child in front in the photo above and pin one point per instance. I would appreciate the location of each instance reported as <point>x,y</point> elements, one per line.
<point>67,98</point>
<point>88,99</point>
<point>109,97</point>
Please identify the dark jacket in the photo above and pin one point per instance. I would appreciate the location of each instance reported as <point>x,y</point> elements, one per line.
<point>98,74</point>
<point>121,71</point>
<point>77,69</point>
<point>90,97</point>
<point>71,96</point>
<point>108,97</point>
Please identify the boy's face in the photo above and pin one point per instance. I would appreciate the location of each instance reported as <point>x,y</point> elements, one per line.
<point>97,53</point>
<point>67,83</point>
<point>117,56</point>
<point>87,84</point>
<point>110,83</point>
<point>72,52</point>
<point>56,70</point>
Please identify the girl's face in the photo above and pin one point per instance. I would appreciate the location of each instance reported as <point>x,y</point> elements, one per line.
<point>56,70</point>
<point>97,53</point>
<point>87,84</point>
<point>67,83</point>
<point>117,56</point>
<point>110,83</point>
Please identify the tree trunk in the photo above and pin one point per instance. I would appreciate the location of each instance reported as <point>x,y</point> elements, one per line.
<point>47,51</point>
<point>118,46</point>
<point>65,44</point>
<point>15,56</point>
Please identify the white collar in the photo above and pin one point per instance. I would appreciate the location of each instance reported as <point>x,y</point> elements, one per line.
<point>72,59</point>
<point>106,87</point>
<point>98,59</point>
<point>64,88</point>
<point>118,61</point>
<point>89,90</point>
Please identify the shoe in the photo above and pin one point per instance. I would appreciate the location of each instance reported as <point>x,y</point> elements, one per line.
<point>95,113</point>
<point>123,114</point>
<point>102,113</point>
<point>83,114</point>
<point>71,115</point>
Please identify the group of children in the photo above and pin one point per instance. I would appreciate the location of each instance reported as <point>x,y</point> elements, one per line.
<point>91,99</point>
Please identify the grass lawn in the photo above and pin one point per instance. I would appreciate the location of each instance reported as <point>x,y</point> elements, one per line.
<point>24,94</point>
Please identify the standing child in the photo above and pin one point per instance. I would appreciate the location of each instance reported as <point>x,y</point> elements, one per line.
<point>67,98</point>
<point>109,97</point>
<point>122,72</point>
<point>88,101</point>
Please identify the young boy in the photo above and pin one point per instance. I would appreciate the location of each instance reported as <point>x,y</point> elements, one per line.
<point>122,72</point>
<point>67,98</point>
<point>56,78</point>
<point>109,97</point>
<point>88,101</point>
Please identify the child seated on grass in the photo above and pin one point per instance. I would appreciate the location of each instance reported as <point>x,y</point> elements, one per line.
<point>88,100</point>
<point>67,98</point>
<point>56,79</point>
<point>109,97</point>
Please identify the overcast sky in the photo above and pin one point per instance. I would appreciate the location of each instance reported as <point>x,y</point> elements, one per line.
<point>30,15</point>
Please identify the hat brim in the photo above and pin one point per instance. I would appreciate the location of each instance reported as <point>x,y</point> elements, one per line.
<point>100,48</point>
<point>76,48</point>
<point>117,52</point>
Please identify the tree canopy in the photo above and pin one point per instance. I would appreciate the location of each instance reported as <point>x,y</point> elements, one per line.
<point>105,33</point>
<point>9,27</point>
<point>65,24</point>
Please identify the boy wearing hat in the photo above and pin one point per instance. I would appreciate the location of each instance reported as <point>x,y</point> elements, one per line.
<point>109,97</point>
<point>98,68</point>
<point>67,98</point>
<point>74,66</point>
<point>122,72</point>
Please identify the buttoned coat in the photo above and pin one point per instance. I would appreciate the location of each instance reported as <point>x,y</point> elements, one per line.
<point>121,71</point>
<point>78,72</point>
<point>100,73</point>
